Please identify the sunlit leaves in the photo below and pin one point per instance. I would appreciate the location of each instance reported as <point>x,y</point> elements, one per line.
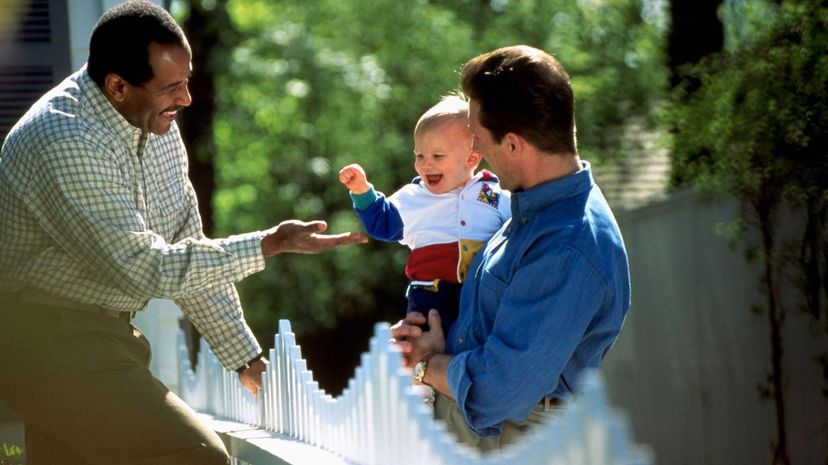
<point>313,86</point>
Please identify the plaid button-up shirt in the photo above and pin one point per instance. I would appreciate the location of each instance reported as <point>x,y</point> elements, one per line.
<point>94,211</point>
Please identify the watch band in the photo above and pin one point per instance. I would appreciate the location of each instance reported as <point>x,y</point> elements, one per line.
<point>251,362</point>
<point>420,374</point>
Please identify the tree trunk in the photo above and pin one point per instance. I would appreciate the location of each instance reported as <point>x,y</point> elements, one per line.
<point>204,29</point>
<point>695,32</point>
<point>811,259</point>
<point>207,32</point>
<point>764,209</point>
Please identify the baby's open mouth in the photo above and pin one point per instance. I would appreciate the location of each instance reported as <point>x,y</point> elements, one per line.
<point>434,178</point>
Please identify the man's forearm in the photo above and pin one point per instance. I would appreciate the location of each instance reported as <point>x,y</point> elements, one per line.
<point>436,374</point>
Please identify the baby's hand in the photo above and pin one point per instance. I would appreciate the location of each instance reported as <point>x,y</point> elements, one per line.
<point>353,176</point>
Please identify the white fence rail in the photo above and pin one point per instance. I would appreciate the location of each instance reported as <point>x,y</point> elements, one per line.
<point>380,417</point>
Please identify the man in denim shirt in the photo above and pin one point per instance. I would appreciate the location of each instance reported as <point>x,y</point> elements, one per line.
<point>548,296</point>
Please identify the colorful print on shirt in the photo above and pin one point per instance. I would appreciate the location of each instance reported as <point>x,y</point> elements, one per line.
<point>488,196</point>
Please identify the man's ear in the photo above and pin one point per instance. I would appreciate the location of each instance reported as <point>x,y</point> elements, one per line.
<point>115,87</point>
<point>514,143</point>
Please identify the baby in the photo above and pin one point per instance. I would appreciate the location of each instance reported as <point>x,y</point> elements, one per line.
<point>444,215</point>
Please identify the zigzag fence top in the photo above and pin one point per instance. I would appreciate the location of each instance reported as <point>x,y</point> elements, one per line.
<point>380,418</point>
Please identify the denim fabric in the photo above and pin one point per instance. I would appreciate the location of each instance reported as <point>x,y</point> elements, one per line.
<point>545,299</point>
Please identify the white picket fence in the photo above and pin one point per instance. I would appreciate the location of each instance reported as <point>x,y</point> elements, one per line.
<point>381,418</point>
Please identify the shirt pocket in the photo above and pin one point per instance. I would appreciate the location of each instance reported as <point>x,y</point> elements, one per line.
<point>490,294</point>
<point>491,285</point>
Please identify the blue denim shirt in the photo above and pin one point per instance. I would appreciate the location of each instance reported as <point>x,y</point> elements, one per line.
<point>545,300</point>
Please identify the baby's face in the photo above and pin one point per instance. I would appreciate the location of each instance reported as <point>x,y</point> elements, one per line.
<point>443,156</point>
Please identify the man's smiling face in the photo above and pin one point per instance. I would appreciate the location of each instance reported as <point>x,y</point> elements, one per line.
<point>153,105</point>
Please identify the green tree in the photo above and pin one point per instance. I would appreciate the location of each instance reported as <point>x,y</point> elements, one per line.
<point>309,87</point>
<point>756,129</point>
<point>303,96</point>
<point>612,49</point>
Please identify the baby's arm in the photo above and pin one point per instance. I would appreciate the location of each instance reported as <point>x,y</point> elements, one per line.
<point>380,217</point>
<point>353,176</point>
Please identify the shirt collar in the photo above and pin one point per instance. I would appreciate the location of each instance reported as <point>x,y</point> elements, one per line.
<point>97,107</point>
<point>526,204</point>
<point>485,175</point>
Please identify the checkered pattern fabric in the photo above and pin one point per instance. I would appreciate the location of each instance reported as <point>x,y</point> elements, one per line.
<point>93,210</point>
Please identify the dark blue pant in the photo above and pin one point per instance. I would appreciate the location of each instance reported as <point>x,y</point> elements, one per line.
<point>446,300</point>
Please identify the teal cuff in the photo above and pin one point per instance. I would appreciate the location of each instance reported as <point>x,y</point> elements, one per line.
<point>363,201</point>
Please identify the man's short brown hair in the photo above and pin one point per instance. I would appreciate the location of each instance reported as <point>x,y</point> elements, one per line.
<point>526,91</point>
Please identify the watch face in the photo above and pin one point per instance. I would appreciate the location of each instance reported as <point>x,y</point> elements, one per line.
<point>419,371</point>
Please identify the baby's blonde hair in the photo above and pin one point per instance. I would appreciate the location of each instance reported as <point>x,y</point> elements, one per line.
<point>452,107</point>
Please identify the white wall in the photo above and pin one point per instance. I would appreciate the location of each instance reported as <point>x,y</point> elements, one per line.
<point>692,354</point>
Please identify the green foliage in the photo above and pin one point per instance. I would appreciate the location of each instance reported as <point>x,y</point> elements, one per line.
<point>612,49</point>
<point>758,126</point>
<point>313,86</point>
<point>615,59</point>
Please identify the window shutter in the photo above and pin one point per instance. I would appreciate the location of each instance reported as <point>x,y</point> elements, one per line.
<point>34,55</point>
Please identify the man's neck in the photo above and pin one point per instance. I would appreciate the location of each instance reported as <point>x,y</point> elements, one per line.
<point>545,167</point>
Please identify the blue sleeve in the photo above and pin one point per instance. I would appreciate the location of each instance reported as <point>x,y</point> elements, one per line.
<point>381,219</point>
<point>547,327</point>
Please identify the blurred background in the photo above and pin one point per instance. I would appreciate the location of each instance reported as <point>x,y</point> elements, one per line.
<point>705,122</point>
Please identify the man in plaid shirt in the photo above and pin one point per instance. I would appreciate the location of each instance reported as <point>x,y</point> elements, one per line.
<point>97,216</point>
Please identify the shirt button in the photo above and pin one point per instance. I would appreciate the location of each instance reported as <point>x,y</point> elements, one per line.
<point>462,222</point>
<point>460,341</point>
<point>524,220</point>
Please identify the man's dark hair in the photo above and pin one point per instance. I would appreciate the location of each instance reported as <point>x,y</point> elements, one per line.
<point>525,91</point>
<point>121,37</point>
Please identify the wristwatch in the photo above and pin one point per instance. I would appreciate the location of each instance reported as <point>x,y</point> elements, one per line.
<point>420,369</point>
<point>251,362</point>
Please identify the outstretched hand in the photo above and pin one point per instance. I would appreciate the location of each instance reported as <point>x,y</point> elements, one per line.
<point>294,236</point>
